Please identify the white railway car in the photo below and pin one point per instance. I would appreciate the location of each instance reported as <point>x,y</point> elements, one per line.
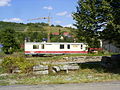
<point>39,48</point>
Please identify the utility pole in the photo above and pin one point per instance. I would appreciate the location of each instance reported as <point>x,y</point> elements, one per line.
<point>49,23</point>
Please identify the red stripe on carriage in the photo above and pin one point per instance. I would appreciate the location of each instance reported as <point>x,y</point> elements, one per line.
<point>47,52</point>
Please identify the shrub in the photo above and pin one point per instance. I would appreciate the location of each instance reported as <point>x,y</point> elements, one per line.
<point>10,63</point>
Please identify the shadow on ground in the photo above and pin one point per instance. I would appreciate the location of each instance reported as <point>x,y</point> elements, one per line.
<point>98,67</point>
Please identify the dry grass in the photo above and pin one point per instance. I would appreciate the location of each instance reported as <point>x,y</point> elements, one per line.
<point>80,76</point>
<point>87,74</point>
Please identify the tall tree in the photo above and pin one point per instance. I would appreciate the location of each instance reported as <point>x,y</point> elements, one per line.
<point>91,16</point>
<point>9,41</point>
<point>112,31</point>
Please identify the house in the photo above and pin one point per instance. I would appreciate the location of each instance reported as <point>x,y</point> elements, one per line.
<point>67,34</point>
<point>110,47</point>
<point>55,33</point>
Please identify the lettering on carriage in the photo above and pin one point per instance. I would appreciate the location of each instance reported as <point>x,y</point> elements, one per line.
<point>75,45</point>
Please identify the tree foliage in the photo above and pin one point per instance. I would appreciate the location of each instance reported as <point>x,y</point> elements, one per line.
<point>112,31</point>
<point>13,35</point>
<point>9,41</point>
<point>35,36</point>
<point>91,16</point>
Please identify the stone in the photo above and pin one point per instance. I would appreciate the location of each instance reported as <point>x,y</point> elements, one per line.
<point>73,67</point>
<point>82,59</point>
<point>56,68</point>
<point>41,72</point>
<point>53,71</point>
<point>66,58</point>
<point>4,74</point>
<point>16,70</point>
<point>64,68</point>
<point>40,67</point>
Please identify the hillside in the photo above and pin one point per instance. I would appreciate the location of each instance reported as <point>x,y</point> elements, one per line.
<point>38,31</point>
<point>20,27</point>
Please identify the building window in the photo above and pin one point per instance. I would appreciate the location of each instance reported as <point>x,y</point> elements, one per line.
<point>68,46</point>
<point>35,46</point>
<point>42,46</point>
<point>61,46</point>
<point>81,46</point>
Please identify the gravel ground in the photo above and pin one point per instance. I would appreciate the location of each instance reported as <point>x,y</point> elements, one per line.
<point>83,86</point>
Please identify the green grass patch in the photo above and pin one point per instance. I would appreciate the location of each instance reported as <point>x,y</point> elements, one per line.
<point>4,83</point>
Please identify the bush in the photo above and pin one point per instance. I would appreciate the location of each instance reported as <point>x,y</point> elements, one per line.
<point>11,63</point>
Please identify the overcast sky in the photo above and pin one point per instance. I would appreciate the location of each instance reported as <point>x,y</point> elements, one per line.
<point>22,10</point>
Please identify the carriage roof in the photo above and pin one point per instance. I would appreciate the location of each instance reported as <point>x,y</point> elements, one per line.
<point>51,43</point>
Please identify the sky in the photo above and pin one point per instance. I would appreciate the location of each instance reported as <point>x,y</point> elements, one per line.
<point>21,10</point>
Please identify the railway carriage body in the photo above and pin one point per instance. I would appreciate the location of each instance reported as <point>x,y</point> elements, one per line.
<point>36,48</point>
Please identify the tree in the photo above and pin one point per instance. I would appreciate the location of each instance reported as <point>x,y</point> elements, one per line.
<point>112,31</point>
<point>35,36</point>
<point>58,26</point>
<point>9,41</point>
<point>91,16</point>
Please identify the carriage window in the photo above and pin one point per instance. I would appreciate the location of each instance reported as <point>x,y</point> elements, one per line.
<point>35,46</point>
<point>61,46</point>
<point>68,46</point>
<point>42,46</point>
<point>86,48</point>
<point>81,46</point>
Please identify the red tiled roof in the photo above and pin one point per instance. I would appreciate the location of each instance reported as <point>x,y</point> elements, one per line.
<point>55,33</point>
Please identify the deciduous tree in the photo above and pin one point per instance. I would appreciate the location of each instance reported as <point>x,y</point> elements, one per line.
<point>9,41</point>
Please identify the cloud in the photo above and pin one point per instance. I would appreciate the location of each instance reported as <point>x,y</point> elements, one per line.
<point>62,13</point>
<point>48,7</point>
<point>13,20</point>
<point>58,22</point>
<point>5,3</point>
<point>70,25</point>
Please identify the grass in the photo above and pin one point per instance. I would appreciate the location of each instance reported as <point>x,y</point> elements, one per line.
<point>87,73</point>
<point>80,76</point>
<point>4,83</point>
<point>90,54</point>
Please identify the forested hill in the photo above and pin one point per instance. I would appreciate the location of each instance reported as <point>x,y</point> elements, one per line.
<point>35,32</point>
<point>20,27</point>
